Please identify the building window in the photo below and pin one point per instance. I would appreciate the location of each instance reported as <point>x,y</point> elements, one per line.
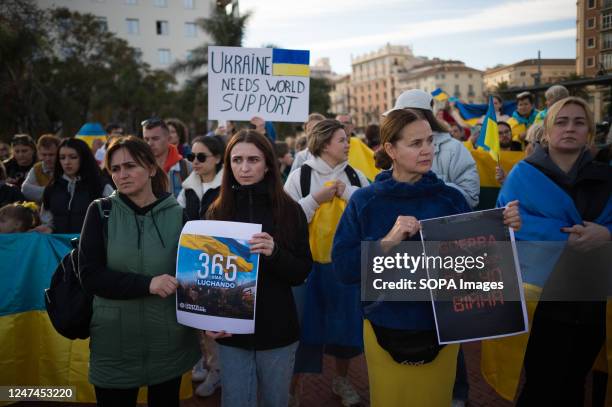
<point>591,23</point>
<point>442,76</point>
<point>103,21</point>
<point>606,60</point>
<point>456,76</point>
<point>162,27</point>
<point>131,2</point>
<point>606,21</point>
<point>190,30</point>
<point>457,91</point>
<point>591,42</point>
<point>133,26</point>
<point>523,73</point>
<point>164,56</point>
<point>471,90</point>
<point>470,75</point>
<point>591,3</point>
<point>189,4</point>
<point>607,3</point>
<point>606,40</point>
<point>138,53</point>
<point>160,3</point>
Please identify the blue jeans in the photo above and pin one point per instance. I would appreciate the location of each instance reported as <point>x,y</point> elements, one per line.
<point>250,378</point>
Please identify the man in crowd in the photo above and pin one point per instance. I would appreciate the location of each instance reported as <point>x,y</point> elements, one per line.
<point>23,158</point>
<point>157,135</point>
<point>41,173</point>
<point>552,96</point>
<point>112,130</point>
<point>524,116</point>
<point>5,151</point>
<point>505,138</point>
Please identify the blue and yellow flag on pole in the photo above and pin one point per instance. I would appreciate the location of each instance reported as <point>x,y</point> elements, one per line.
<point>439,94</point>
<point>489,135</point>
<point>290,62</point>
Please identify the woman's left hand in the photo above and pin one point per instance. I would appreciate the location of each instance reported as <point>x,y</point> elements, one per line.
<point>262,243</point>
<point>512,217</point>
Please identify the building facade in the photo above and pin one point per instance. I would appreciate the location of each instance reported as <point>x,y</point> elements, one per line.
<point>162,31</point>
<point>524,73</point>
<point>453,77</point>
<point>340,95</point>
<point>593,37</point>
<point>374,80</point>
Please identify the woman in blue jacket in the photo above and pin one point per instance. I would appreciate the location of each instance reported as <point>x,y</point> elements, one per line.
<point>389,211</point>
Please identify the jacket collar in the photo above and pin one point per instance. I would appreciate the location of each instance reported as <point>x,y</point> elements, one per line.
<point>429,184</point>
<point>194,183</point>
<point>322,167</point>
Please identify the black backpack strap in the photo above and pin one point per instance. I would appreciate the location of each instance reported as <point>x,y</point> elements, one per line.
<point>305,173</point>
<point>352,176</point>
<point>104,206</point>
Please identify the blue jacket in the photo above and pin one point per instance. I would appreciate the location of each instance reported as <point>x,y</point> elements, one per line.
<point>369,216</point>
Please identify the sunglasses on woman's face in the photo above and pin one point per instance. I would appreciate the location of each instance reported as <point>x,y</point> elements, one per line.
<point>201,157</point>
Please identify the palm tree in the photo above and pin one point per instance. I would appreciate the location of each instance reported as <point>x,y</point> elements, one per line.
<point>224,29</point>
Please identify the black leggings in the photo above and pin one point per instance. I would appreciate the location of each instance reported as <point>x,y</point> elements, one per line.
<point>164,394</point>
<point>559,357</point>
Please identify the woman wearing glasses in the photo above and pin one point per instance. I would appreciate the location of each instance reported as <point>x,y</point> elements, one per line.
<point>201,187</point>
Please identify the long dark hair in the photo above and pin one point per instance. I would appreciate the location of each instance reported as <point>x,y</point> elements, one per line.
<point>284,209</point>
<point>143,155</point>
<point>88,168</point>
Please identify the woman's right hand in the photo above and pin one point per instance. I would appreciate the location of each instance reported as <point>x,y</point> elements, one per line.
<point>217,335</point>
<point>164,285</point>
<point>326,193</point>
<point>404,227</point>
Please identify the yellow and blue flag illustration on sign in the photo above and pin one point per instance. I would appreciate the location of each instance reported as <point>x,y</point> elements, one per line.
<point>290,62</point>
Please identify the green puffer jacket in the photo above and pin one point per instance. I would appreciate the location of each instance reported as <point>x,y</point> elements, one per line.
<point>138,342</point>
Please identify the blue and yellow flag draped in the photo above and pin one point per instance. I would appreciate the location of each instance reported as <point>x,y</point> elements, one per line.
<point>439,95</point>
<point>471,113</point>
<point>489,134</point>
<point>290,62</point>
<point>502,359</point>
<point>32,353</point>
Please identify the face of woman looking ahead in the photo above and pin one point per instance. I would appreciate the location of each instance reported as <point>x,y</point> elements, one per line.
<point>70,161</point>
<point>129,176</point>
<point>248,163</point>
<point>570,130</point>
<point>412,154</point>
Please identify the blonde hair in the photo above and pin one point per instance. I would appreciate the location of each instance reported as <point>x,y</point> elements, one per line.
<point>554,110</point>
<point>535,134</point>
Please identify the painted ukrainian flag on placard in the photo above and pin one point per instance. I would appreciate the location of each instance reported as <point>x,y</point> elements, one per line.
<point>290,62</point>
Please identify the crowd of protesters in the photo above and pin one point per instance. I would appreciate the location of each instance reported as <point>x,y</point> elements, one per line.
<point>308,301</point>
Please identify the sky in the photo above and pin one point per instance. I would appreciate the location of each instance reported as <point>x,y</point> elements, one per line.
<point>481,33</point>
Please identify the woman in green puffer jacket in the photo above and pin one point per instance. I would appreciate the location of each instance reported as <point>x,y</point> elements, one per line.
<point>135,338</point>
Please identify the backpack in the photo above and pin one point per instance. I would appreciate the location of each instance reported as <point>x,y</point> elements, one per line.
<point>306,173</point>
<point>69,307</point>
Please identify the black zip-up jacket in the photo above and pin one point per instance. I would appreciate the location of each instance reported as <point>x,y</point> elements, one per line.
<point>276,321</point>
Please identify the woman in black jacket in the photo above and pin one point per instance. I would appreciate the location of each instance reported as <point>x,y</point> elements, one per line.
<point>251,191</point>
<point>75,184</point>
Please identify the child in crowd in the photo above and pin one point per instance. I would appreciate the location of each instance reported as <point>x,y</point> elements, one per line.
<point>19,217</point>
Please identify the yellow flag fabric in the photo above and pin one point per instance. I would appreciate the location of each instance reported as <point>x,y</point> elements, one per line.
<point>502,359</point>
<point>322,229</point>
<point>34,354</point>
<point>486,165</point>
<point>90,139</point>
<point>361,157</point>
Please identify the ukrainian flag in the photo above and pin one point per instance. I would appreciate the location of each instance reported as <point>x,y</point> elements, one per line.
<point>489,135</point>
<point>439,95</point>
<point>290,62</point>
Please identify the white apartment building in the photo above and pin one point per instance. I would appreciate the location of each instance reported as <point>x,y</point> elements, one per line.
<point>163,31</point>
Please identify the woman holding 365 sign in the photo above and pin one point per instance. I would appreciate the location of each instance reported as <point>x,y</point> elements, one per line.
<point>389,211</point>
<point>260,365</point>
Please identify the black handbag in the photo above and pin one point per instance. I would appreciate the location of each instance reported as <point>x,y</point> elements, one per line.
<point>408,347</point>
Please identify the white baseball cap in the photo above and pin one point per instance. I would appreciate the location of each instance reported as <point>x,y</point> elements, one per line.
<point>413,98</point>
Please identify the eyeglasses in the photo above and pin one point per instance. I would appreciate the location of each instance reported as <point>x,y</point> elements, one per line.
<point>201,157</point>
